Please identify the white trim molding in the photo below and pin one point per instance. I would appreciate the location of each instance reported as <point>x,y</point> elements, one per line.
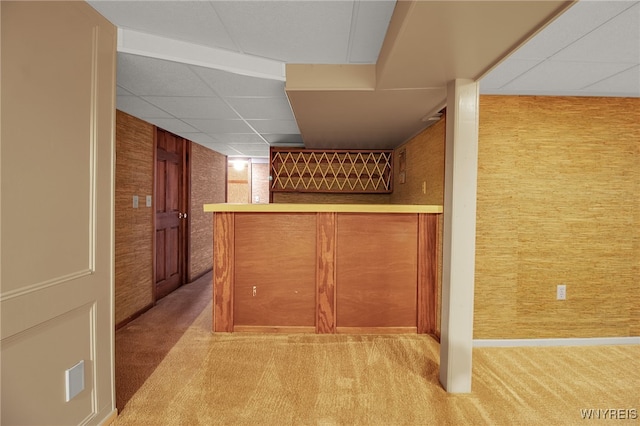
<point>153,46</point>
<point>571,341</point>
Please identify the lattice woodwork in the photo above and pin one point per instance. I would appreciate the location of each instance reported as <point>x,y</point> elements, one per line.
<point>338,171</point>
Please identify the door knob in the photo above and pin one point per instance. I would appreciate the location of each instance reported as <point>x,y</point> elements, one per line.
<point>179,215</point>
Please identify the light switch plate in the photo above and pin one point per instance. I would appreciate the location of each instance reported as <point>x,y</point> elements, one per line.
<point>561,292</point>
<point>74,381</point>
<point>135,201</point>
<point>148,200</point>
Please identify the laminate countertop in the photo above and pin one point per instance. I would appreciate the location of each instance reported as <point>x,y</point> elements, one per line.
<point>323,208</point>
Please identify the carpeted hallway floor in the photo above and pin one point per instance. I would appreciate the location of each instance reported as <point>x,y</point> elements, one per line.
<point>171,370</point>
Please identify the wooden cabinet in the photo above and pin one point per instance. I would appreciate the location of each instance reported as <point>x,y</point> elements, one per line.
<point>325,268</point>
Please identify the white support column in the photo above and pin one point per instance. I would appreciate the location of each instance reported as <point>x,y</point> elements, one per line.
<point>461,175</point>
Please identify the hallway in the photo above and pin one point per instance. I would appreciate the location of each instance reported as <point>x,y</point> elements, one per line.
<point>143,343</point>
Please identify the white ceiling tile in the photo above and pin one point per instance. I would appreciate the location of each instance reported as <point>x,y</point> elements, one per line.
<point>505,72</point>
<point>237,138</point>
<point>370,27</point>
<point>573,24</point>
<point>219,126</point>
<point>274,126</point>
<point>230,84</point>
<point>252,150</point>
<point>121,91</point>
<point>139,107</point>
<point>290,31</point>
<point>171,124</point>
<point>191,21</point>
<point>198,137</point>
<point>616,41</point>
<point>626,83</point>
<point>221,148</point>
<point>562,76</point>
<point>154,77</point>
<point>193,107</point>
<point>262,108</point>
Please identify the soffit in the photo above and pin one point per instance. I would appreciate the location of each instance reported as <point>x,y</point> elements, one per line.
<point>427,45</point>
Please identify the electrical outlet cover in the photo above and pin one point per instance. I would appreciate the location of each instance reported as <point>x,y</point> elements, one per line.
<point>561,292</point>
<point>74,380</point>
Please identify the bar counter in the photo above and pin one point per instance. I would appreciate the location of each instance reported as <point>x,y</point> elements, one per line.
<point>324,268</point>
<point>323,208</point>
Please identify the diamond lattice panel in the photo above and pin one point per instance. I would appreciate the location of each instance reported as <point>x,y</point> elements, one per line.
<point>339,171</point>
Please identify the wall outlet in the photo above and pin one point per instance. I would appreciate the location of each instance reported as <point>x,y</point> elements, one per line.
<point>74,381</point>
<point>561,292</point>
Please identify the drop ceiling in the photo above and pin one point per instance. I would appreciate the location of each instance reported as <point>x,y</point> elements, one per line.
<point>240,76</point>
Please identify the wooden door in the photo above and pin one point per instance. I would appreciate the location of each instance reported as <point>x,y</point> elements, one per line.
<point>171,212</point>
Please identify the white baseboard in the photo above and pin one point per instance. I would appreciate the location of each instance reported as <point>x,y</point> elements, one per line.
<point>110,418</point>
<point>588,341</point>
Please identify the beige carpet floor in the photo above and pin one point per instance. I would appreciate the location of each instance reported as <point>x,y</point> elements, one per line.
<point>249,379</point>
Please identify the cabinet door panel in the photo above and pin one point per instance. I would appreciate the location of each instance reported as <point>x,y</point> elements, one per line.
<point>376,270</point>
<point>276,254</point>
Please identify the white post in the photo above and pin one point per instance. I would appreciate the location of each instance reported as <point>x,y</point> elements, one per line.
<point>461,175</point>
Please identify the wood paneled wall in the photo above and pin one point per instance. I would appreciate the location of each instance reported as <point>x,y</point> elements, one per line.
<point>238,184</point>
<point>424,168</point>
<point>208,185</point>
<point>558,203</point>
<point>133,227</point>
<point>259,182</point>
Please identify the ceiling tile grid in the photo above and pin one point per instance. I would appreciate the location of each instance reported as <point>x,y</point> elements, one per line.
<point>191,21</point>
<point>592,49</point>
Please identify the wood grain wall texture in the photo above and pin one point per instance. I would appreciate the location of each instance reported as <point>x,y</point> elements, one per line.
<point>424,164</point>
<point>558,203</point>
<point>208,185</point>
<point>260,182</point>
<point>238,184</point>
<point>424,154</point>
<point>133,227</point>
